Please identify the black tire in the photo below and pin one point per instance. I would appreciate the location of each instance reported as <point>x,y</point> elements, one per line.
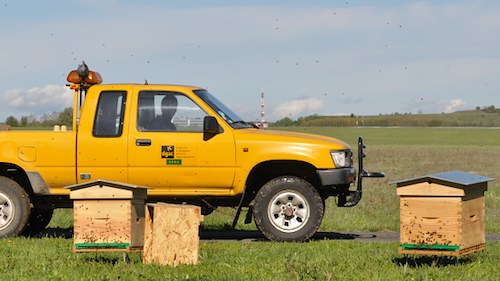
<point>38,221</point>
<point>288,208</point>
<point>14,208</point>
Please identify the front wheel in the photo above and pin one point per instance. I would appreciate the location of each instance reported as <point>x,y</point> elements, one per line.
<point>14,208</point>
<point>288,208</point>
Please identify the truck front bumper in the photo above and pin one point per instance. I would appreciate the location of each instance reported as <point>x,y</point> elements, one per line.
<point>341,176</point>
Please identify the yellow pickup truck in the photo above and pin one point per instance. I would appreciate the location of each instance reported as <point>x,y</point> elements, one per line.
<point>187,147</point>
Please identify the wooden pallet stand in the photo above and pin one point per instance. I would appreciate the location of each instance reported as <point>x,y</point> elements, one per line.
<point>171,235</point>
<point>108,216</point>
<point>442,214</point>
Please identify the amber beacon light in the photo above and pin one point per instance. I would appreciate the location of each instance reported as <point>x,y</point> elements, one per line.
<point>82,75</point>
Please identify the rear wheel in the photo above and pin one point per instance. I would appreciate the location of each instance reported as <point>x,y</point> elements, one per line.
<point>14,208</point>
<point>288,208</point>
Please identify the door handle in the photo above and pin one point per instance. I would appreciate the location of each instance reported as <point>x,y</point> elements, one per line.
<point>143,142</point>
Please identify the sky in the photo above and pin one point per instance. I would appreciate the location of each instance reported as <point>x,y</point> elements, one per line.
<point>308,57</point>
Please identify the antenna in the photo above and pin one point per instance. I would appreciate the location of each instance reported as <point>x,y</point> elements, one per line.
<point>262,122</point>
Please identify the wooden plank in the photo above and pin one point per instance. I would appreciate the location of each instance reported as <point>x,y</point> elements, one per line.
<point>429,189</point>
<point>430,206</point>
<point>473,221</point>
<point>430,220</point>
<point>453,222</point>
<point>430,236</point>
<point>102,221</point>
<point>173,238</point>
<point>105,221</point>
<point>148,233</point>
<point>105,192</point>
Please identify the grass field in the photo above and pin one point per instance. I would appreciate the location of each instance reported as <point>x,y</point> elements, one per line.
<point>404,153</point>
<point>52,259</point>
<point>399,152</point>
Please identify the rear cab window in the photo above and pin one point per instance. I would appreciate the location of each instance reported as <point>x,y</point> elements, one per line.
<point>109,116</point>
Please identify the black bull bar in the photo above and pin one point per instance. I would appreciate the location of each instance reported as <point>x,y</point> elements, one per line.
<point>352,198</point>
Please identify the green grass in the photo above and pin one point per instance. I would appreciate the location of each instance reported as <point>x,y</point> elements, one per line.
<point>473,137</point>
<point>404,153</point>
<point>399,152</point>
<point>52,259</point>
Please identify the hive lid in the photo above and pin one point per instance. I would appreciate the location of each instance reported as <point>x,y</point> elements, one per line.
<point>451,177</point>
<point>448,184</point>
<point>103,189</point>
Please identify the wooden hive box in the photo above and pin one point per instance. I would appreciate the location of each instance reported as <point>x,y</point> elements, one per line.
<point>442,214</point>
<point>172,234</point>
<point>108,216</point>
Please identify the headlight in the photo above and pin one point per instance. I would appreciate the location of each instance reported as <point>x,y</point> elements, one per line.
<point>342,158</point>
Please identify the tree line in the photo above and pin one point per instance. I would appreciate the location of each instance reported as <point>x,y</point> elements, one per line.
<point>46,120</point>
<point>487,116</point>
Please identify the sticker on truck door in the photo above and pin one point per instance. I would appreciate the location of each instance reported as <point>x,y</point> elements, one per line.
<point>168,152</point>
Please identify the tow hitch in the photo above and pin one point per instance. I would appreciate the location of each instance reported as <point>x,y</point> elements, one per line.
<point>352,198</point>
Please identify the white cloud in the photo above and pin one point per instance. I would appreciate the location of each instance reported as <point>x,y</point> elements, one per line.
<point>454,105</point>
<point>298,107</point>
<point>423,105</point>
<point>37,100</point>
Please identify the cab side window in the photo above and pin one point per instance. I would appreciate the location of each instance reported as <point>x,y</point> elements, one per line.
<point>108,121</point>
<point>164,111</point>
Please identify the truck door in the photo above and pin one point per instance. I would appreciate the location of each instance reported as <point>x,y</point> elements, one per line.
<point>167,151</point>
<point>102,138</point>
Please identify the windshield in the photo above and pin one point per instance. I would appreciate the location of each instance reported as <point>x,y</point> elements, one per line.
<point>231,118</point>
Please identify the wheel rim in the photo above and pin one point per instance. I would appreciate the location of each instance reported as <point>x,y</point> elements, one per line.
<point>6,211</point>
<point>288,211</point>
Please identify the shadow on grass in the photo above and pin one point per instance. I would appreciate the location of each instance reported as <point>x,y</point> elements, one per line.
<point>99,258</point>
<point>254,235</point>
<point>57,232</point>
<point>224,234</point>
<point>431,261</point>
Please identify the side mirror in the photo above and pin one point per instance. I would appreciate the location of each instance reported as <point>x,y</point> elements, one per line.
<point>211,127</point>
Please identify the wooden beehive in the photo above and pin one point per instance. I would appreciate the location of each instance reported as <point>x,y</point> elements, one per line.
<point>108,216</point>
<point>442,214</point>
<point>172,234</point>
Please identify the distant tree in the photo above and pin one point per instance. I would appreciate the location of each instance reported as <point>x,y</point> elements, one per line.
<point>489,109</point>
<point>306,119</point>
<point>285,122</point>
<point>66,117</point>
<point>49,119</point>
<point>12,121</point>
<point>33,121</point>
<point>24,121</point>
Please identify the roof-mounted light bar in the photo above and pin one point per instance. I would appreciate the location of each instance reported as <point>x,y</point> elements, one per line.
<point>82,75</point>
